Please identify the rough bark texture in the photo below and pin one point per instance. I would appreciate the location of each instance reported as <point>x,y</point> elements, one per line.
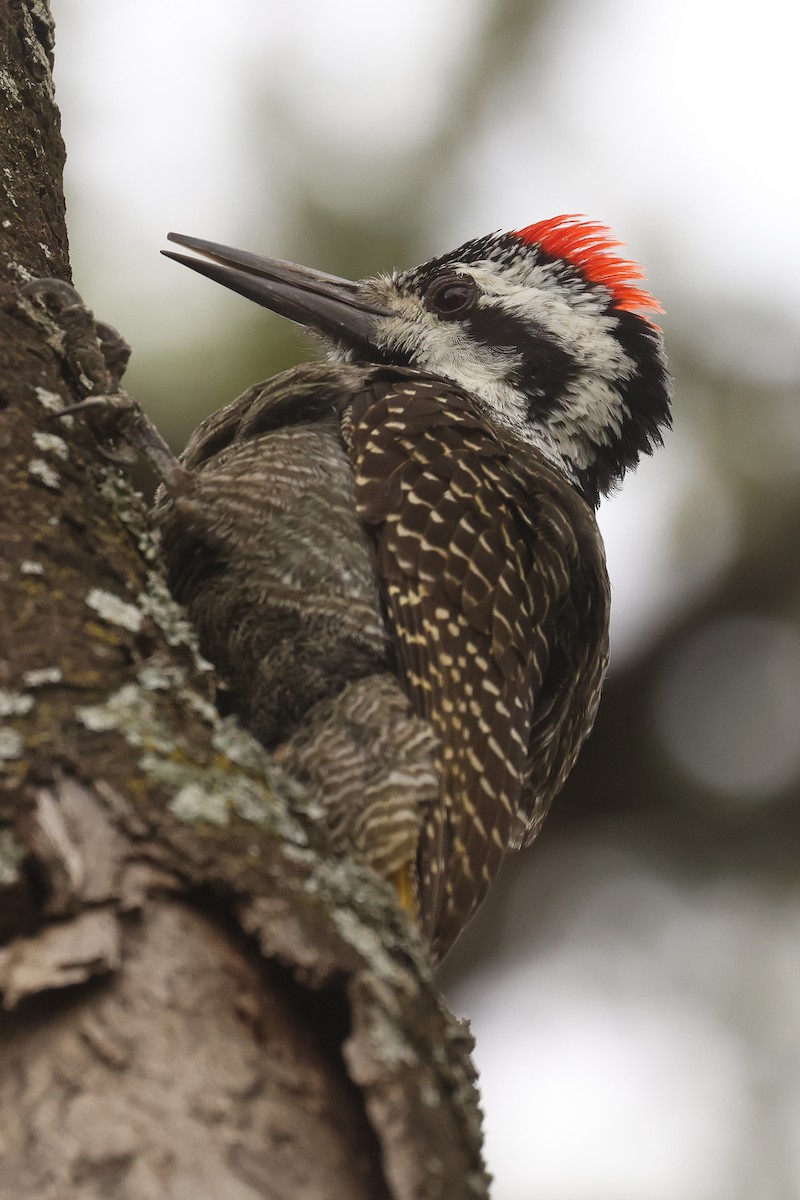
<point>198,1001</point>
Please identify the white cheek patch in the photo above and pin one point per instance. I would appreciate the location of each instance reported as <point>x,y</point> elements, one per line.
<point>564,308</point>
<point>591,411</point>
<point>445,348</point>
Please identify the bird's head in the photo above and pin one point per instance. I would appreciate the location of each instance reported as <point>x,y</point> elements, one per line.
<point>547,328</point>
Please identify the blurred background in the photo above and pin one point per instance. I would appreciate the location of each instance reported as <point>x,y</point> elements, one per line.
<point>634,981</point>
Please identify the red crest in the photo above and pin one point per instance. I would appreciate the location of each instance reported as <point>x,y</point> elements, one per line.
<point>592,249</point>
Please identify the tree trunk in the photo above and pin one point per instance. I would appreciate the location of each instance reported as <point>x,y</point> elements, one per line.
<point>197,1001</point>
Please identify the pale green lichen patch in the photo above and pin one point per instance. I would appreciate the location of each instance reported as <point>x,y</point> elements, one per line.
<point>238,745</point>
<point>260,807</point>
<point>12,855</point>
<point>158,676</point>
<point>49,400</point>
<point>11,744</point>
<point>42,471</point>
<point>51,443</point>
<point>54,404</point>
<point>193,803</point>
<point>129,506</point>
<point>42,676</point>
<point>203,791</point>
<point>217,799</point>
<point>216,795</point>
<point>115,611</point>
<point>202,706</point>
<point>157,602</point>
<point>14,704</point>
<point>131,712</point>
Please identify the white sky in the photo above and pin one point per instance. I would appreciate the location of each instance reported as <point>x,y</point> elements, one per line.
<point>675,123</point>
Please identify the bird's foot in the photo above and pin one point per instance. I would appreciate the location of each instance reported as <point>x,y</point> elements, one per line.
<point>95,355</point>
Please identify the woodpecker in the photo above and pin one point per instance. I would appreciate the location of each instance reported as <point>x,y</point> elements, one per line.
<point>392,557</point>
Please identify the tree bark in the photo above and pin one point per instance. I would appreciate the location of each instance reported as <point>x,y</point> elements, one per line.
<point>198,1000</point>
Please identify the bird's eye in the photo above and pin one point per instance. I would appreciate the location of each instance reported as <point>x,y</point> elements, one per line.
<point>451,295</point>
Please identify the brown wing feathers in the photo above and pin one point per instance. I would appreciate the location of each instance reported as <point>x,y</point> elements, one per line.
<point>462,593</point>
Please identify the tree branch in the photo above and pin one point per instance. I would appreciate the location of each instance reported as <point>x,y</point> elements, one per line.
<point>197,996</point>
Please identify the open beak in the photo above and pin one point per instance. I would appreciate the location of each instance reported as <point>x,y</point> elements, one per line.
<point>336,307</point>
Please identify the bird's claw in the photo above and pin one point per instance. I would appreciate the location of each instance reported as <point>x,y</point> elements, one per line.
<point>96,355</point>
<point>59,288</point>
<point>94,352</point>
